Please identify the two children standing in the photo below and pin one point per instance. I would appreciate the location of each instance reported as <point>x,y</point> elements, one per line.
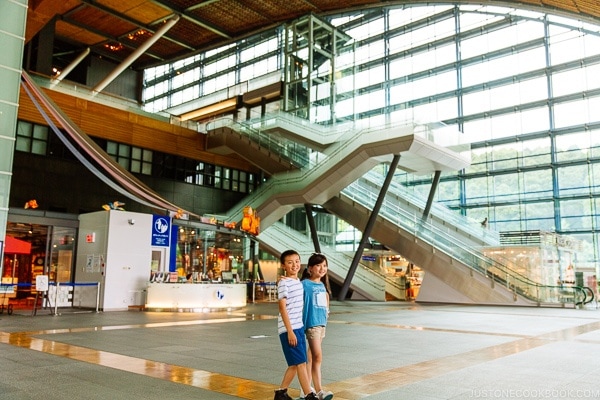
<point>303,312</point>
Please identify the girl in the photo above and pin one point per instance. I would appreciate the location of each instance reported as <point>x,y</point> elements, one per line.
<point>314,316</point>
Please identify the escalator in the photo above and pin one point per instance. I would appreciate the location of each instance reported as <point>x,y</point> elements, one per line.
<point>468,230</point>
<point>355,152</point>
<point>456,270</point>
<point>367,283</point>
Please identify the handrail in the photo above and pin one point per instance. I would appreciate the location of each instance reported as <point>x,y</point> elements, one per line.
<point>464,223</point>
<point>591,296</point>
<point>293,152</point>
<point>467,255</point>
<point>319,163</point>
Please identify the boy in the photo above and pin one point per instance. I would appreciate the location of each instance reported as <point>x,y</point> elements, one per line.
<point>290,328</point>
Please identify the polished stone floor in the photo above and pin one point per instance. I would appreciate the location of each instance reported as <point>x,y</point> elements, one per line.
<point>377,351</point>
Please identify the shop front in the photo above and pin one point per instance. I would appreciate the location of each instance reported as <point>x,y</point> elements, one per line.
<point>209,267</point>
<point>35,244</point>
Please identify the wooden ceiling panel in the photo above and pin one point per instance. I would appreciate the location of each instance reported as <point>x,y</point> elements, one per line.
<point>163,46</point>
<point>591,7</point>
<point>135,39</point>
<point>69,31</point>
<point>145,11</point>
<point>41,12</point>
<point>231,16</point>
<point>281,11</point>
<point>568,5</point>
<point>194,35</point>
<point>101,21</point>
<point>332,5</point>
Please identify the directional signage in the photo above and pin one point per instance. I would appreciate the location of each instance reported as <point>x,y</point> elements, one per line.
<point>161,227</point>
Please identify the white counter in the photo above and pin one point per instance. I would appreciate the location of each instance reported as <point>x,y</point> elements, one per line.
<point>195,297</point>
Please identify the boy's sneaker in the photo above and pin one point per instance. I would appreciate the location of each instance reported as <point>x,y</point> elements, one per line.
<point>325,395</point>
<point>311,396</point>
<point>281,394</point>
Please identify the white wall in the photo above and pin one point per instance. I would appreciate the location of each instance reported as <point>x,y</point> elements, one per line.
<point>126,252</point>
<point>128,258</point>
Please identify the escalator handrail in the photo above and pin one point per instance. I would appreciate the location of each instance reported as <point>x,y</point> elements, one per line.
<point>535,287</point>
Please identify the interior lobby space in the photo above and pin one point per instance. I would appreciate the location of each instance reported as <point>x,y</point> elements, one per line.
<point>372,350</point>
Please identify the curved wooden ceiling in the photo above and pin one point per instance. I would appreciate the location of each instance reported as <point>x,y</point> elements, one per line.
<point>115,28</point>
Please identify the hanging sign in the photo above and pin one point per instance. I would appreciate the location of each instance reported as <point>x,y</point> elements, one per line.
<point>161,227</point>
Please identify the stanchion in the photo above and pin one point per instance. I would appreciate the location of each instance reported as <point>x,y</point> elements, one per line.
<point>98,296</point>
<point>56,299</point>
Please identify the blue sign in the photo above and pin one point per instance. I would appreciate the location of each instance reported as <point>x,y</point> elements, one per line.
<point>161,228</point>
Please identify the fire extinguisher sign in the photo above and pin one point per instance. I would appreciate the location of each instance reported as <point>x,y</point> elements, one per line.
<point>161,228</point>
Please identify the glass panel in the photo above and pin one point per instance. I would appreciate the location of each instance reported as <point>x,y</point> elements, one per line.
<point>124,162</point>
<point>124,150</point>
<point>62,256</point>
<point>573,180</point>
<point>23,144</point>
<point>537,184</point>
<point>477,189</point>
<point>147,155</point>
<point>506,187</point>
<point>573,146</point>
<point>509,218</point>
<point>576,214</point>
<point>40,132</point>
<point>147,169</point>
<point>24,129</point>
<point>111,148</point>
<point>136,166</point>
<point>503,67</point>
<point>38,147</point>
<point>536,152</point>
<point>136,153</point>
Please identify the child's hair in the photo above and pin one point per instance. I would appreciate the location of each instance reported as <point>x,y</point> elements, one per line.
<point>286,254</point>
<point>314,259</point>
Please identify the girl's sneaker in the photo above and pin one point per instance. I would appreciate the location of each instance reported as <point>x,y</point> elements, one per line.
<point>323,395</point>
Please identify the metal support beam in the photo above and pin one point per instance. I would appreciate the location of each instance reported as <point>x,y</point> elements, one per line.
<point>71,66</point>
<point>313,228</point>
<point>434,185</point>
<point>367,232</point>
<point>136,54</point>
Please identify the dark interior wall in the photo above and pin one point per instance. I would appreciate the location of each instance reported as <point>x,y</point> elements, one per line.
<point>67,186</point>
<point>124,85</point>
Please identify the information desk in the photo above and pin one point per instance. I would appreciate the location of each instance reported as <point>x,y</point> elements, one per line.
<point>195,297</point>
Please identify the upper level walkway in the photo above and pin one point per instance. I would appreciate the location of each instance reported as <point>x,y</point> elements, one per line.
<point>372,350</point>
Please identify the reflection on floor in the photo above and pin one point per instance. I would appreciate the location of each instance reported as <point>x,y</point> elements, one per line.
<point>372,350</point>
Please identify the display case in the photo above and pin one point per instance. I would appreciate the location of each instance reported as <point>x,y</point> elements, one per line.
<point>195,297</point>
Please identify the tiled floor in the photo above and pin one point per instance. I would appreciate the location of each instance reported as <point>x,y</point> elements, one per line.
<point>372,351</point>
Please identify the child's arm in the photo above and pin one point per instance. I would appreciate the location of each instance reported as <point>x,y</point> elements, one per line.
<point>292,340</point>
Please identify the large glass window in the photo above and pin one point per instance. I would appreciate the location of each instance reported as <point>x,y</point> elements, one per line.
<point>519,84</point>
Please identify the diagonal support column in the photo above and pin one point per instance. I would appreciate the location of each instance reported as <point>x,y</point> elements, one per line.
<point>67,70</point>
<point>434,185</point>
<point>136,54</point>
<point>367,232</point>
<point>313,227</point>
